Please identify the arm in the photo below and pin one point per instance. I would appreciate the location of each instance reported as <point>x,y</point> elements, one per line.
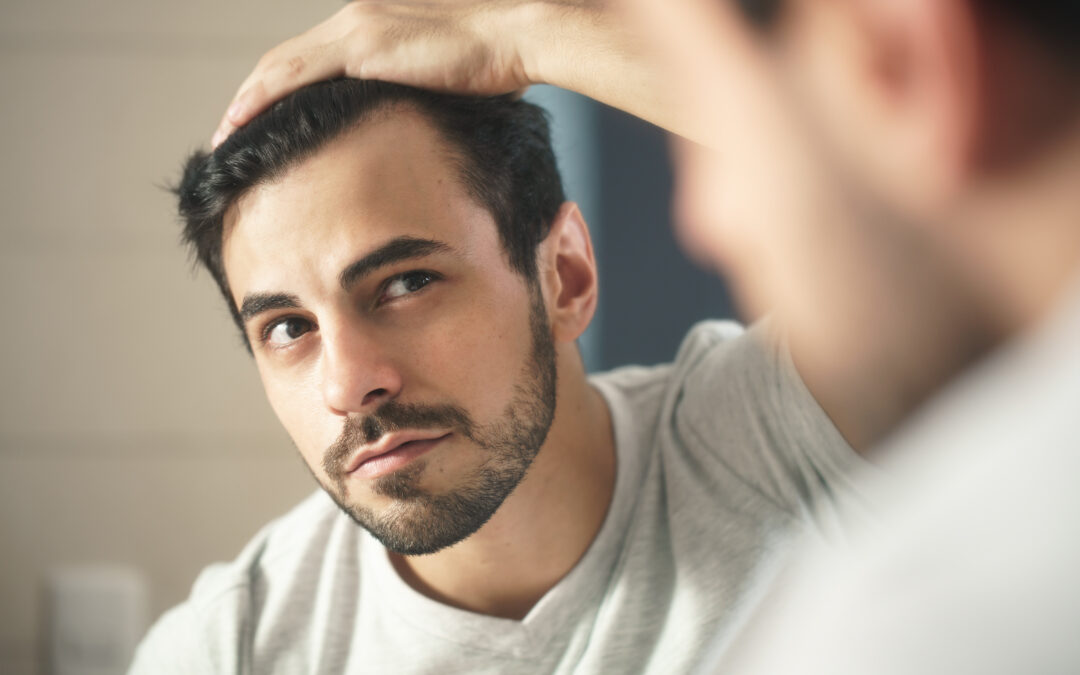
<point>482,47</point>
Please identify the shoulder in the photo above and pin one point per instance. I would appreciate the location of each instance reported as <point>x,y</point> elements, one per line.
<point>721,365</point>
<point>705,337</point>
<point>729,379</point>
<point>646,382</point>
<point>731,410</point>
<point>742,401</point>
<point>280,548</point>
<point>230,602</point>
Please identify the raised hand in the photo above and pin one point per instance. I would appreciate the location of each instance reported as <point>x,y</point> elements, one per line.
<point>464,46</point>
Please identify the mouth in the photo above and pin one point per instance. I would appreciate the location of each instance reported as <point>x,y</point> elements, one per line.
<point>392,452</point>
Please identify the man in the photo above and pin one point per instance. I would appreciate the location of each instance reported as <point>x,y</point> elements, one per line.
<point>897,180</point>
<point>411,284</point>
<point>943,142</point>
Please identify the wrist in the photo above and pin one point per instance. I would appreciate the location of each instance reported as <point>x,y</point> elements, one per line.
<point>539,29</point>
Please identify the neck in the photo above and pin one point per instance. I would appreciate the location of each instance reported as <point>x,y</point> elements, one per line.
<point>1020,234</point>
<point>546,524</point>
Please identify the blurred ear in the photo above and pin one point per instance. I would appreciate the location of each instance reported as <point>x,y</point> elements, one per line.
<point>568,274</point>
<point>895,85</point>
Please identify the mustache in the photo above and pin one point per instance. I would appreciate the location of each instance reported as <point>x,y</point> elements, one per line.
<point>389,417</point>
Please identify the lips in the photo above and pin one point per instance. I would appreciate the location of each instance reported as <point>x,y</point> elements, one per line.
<point>392,452</point>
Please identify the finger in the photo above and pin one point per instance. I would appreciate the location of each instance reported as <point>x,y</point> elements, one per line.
<point>276,79</point>
<point>283,76</point>
<point>224,130</point>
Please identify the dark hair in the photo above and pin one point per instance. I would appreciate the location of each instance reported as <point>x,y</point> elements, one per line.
<point>1055,22</point>
<point>761,13</point>
<point>501,147</point>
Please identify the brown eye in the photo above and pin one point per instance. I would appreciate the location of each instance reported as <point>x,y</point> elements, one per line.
<point>281,333</point>
<point>404,284</point>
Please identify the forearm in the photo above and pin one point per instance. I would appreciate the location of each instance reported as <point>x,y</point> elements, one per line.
<point>481,47</point>
<point>596,50</point>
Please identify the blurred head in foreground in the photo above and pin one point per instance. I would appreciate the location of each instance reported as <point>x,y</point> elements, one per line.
<point>895,179</point>
<point>395,259</point>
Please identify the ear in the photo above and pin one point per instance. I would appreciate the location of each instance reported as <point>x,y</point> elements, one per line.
<point>568,274</point>
<point>896,86</point>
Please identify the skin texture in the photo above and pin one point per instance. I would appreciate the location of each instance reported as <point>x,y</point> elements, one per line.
<point>465,342</point>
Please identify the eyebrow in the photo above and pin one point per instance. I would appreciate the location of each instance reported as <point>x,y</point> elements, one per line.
<point>395,250</point>
<point>257,303</point>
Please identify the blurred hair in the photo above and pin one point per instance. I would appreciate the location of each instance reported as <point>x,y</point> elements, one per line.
<point>761,13</point>
<point>501,147</point>
<point>1055,22</point>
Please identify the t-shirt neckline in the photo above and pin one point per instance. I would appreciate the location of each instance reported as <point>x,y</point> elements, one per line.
<point>581,589</point>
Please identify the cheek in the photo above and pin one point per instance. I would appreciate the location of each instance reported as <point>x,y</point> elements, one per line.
<point>297,403</point>
<point>472,357</point>
<point>470,353</point>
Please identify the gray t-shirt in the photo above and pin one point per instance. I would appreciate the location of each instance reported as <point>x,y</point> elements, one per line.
<point>718,455</point>
<point>969,566</point>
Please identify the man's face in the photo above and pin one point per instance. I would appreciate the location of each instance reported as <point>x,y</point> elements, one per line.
<point>412,367</point>
<point>797,198</point>
<point>754,196</point>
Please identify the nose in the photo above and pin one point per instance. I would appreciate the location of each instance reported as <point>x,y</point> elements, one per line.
<point>358,372</point>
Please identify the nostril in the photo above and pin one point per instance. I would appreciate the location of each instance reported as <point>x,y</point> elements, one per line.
<point>375,394</point>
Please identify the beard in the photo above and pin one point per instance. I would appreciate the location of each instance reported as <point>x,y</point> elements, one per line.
<point>420,522</point>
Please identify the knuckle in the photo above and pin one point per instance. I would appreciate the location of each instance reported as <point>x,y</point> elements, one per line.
<point>295,65</point>
<point>354,67</point>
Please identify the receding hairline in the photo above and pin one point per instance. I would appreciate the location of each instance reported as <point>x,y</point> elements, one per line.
<point>383,111</point>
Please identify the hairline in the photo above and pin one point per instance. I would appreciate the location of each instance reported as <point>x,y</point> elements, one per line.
<point>453,154</point>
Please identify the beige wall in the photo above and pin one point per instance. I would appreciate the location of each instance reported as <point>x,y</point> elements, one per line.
<point>132,426</point>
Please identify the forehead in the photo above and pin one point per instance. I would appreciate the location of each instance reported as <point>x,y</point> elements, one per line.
<point>390,176</point>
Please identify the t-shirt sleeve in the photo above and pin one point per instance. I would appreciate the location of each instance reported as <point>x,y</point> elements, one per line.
<point>173,645</point>
<point>743,407</point>
<point>207,633</point>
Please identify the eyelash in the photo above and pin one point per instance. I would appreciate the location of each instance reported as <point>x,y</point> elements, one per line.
<point>264,334</point>
<point>429,278</point>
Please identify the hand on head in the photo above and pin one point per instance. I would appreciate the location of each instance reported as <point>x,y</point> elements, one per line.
<point>463,47</point>
<point>479,47</point>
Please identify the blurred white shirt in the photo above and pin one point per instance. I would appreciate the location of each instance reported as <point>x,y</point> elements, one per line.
<point>974,564</point>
